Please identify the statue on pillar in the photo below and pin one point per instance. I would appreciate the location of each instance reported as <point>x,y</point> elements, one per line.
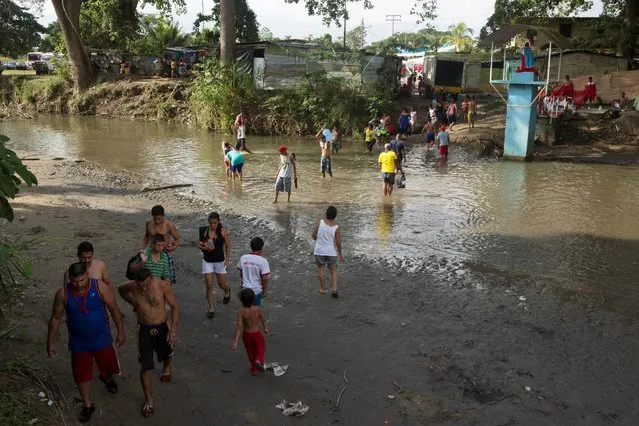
<point>527,59</point>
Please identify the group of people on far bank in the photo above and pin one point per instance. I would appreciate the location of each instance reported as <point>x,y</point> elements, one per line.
<point>88,296</point>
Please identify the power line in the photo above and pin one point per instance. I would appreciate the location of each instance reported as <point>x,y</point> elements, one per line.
<point>392,19</point>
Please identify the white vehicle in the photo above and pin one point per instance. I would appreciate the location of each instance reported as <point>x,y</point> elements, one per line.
<point>33,57</point>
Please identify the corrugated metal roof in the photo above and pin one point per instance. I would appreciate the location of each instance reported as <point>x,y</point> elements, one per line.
<point>505,34</point>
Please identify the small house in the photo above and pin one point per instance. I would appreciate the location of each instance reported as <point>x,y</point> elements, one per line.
<point>276,64</point>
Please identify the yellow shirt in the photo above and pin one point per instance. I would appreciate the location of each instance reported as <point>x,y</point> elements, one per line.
<point>387,160</point>
<point>370,135</point>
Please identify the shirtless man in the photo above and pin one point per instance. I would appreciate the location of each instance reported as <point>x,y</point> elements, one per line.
<point>149,298</point>
<point>429,130</point>
<point>325,159</point>
<point>96,269</point>
<point>161,225</point>
<point>472,113</point>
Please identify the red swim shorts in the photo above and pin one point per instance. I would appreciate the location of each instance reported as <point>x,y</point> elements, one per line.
<point>106,359</point>
<point>443,150</point>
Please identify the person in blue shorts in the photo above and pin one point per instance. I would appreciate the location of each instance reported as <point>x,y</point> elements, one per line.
<point>429,129</point>
<point>404,121</point>
<point>237,162</point>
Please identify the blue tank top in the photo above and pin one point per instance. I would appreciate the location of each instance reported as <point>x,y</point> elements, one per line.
<point>87,319</point>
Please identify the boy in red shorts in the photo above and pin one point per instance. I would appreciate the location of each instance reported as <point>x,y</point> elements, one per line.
<point>84,300</point>
<point>442,139</point>
<point>249,318</point>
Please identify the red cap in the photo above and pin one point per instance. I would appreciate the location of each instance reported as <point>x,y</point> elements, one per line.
<point>282,149</point>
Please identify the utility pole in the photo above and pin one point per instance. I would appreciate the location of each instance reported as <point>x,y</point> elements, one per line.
<point>392,19</point>
<point>345,13</point>
<point>363,34</point>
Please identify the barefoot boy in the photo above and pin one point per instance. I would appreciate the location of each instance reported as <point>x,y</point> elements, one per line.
<point>249,318</point>
<point>328,248</point>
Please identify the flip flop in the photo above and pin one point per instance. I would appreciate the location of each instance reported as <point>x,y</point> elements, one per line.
<point>147,411</point>
<point>227,299</point>
<point>166,378</point>
<point>335,294</point>
<point>110,384</point>
<point>210,314</point>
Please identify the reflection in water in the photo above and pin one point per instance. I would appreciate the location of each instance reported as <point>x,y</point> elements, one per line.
<point>564,221</point>
<point>385,224</point>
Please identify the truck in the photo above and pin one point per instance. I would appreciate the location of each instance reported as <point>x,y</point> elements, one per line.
<point>449,73</point>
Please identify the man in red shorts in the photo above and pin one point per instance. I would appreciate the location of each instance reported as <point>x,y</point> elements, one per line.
<point>84,300</point>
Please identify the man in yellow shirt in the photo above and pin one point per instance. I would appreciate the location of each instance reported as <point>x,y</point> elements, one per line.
<point>388,163</point>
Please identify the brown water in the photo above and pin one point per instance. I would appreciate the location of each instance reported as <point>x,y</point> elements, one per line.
<point>576,224</point>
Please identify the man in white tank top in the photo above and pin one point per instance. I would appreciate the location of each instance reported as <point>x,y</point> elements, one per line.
<point>328,248</point>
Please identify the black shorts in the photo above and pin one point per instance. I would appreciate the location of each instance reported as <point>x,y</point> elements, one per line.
<point>240,144</point>
<point>153,338</point>
<point>388,178</point>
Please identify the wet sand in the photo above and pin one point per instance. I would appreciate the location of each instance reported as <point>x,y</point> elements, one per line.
<point>463,349</point>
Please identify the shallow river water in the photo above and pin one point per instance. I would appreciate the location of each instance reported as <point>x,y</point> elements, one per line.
<point>574,223</point>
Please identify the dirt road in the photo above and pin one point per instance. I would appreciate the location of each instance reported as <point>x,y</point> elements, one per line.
<point>485,347</point>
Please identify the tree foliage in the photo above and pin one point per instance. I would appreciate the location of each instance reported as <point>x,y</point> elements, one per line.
<point>460,36</point>
<point>12,173</point>
<point>19,29</point>
<point>334,11</point>
<point>156,34</point>
<point>109,24</point>
<point>53,40</point>
<point>427,39</point>
<point>246,26</point>
<point>356,38</point>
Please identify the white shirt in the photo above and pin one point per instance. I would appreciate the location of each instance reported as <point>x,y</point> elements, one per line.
<point>253,267</point>
<point>287,166</point>
<point>241,131</point>
<point>325,243</point>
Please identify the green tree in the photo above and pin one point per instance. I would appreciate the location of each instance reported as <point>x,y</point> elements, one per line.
<point>204,37</point>
<point>109,24</point>
<point>460,36</point>
<point>246,26</point>
<point>53,40</point>
<point>19,30</point>
<point>356,38</point>
<point>156,34</point>
<point>265,34</point>
<point>12,173</point>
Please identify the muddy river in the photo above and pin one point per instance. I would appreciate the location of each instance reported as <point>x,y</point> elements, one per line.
<point>573,223</point>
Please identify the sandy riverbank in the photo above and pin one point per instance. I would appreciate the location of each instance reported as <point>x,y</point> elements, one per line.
<point>464,349</point>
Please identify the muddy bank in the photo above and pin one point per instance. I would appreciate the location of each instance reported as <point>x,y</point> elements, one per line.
<point>585,138</point>
<point>478,346</point>
<point>145,99</point>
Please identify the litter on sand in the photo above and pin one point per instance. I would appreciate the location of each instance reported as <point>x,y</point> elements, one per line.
<point>522,298</point>
<point>33,421</point>
<point>527,388</point>
<point>41,395</point>
<point>278,370</point>
<point>391,396</point>
<point>292,408</point>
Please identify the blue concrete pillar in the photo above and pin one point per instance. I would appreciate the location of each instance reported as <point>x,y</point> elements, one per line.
<point>521,116</point>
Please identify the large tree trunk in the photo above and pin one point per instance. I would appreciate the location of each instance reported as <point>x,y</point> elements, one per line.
<point>227,31</point>
<point>629,31</point>
<point>68,13</point>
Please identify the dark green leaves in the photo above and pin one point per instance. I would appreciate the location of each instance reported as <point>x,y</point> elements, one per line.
<point>12,173</point>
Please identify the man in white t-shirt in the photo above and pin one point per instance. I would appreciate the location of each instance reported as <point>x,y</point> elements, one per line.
<point>284,172</point>
<point>254,271</point>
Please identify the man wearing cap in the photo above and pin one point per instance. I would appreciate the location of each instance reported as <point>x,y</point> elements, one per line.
<point>284,172</point>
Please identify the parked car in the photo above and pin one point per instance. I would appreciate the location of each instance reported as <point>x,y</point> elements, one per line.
<point>42,67</point>
<point>9,65</point>
<point>21,65</point>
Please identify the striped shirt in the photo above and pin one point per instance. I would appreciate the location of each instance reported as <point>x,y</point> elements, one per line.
<point>160,269</point>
